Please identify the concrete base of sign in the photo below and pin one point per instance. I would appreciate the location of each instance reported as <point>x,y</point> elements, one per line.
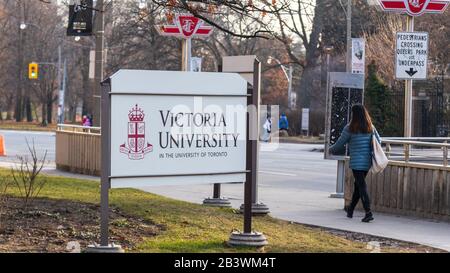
<point>337,195</point>
<point>111,248</point>
<point>257,209</point>
<point>254,239</point>
<point>217,202</point>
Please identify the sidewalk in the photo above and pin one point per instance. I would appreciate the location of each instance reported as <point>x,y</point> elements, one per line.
<point>307,207</point>
<point>317,209</point>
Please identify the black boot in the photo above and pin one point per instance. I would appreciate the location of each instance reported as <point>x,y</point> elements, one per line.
<point>368,217</point>
<point>349,212</point>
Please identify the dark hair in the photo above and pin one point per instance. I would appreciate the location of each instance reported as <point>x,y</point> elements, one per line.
<point>361,123</point>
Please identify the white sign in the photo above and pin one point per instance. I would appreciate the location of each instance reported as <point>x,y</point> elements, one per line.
<point>411,55</point>
<point>177,128</point>
<point>293,100</point>
<point>305,119</point>
<point>358,56</point>
<point>196,64</point>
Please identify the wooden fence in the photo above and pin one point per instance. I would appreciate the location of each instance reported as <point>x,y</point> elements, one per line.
<point>78,149</point>
<point>408,188</point>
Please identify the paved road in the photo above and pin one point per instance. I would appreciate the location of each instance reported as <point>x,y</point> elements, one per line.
<point>294,182</point>
<point>16,144</point>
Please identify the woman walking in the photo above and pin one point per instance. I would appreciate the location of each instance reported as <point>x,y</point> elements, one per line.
<point>358,135</point>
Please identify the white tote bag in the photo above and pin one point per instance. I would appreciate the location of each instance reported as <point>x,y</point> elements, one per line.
<point>379,159</point>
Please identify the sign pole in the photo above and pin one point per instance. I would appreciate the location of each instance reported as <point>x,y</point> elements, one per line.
<point>186,54</point>
<point>216,200</point>
<point>105,246</point>
<point>408,89</point>
<point>106,170</point>
<point>247,237</point>
<point>251,166</point>
<point>189,53</point>
<point>258,208</point>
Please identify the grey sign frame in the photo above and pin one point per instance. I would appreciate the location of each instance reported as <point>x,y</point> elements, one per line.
<point>339,80</point>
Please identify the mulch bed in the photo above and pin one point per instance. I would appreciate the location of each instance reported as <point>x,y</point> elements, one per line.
<point>65,226</point>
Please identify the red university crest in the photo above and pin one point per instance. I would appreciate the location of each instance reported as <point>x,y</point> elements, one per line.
<point>137,146</point>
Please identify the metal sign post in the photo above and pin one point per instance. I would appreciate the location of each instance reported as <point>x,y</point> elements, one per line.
<point>186,55</point>
<point>249,67</point>
<point>408,90</point>
<point>105,183</point>
<point>217,200</point>
<point>248,237</point>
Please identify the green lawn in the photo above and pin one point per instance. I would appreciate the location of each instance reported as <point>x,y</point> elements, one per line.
<point>194,228</point>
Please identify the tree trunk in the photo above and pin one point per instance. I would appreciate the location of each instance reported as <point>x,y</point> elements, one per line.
<point>18,109</point>
<point>306,83</point>
<point>28,109</point>
<point>49,111</point>
<point>44,115</point>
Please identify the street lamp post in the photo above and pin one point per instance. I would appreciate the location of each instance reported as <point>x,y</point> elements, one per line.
<point>99,58</point>
<point>328,50</point>
<point>341,163</point>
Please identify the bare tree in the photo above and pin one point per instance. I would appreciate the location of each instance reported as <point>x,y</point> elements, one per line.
<point>4,185</point>
<point>25,176</point>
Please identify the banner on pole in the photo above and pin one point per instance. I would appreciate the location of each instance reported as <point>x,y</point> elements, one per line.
<point>358,55</point>
<point>80,19</point>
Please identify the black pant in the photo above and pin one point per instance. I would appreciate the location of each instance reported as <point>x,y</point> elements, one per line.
<point>360,191</point>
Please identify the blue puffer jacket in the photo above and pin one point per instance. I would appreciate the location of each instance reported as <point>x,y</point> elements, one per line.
<point>359,146</point>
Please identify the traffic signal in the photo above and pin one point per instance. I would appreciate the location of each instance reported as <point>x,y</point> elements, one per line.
<point>33,70</point>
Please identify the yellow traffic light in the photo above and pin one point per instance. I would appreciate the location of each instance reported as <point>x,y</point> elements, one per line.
<point>33,69</point>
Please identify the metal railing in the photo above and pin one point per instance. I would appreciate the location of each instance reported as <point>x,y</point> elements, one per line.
<point>430,151</point>
<point>78,129</point>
